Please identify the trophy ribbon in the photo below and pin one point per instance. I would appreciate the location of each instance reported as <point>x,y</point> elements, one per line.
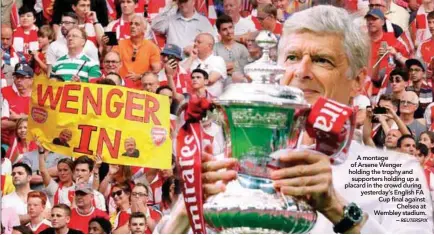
<point>327,124</point>
<point>189,153</point>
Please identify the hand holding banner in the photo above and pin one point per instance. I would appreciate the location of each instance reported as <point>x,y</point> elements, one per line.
<point>126,126</point>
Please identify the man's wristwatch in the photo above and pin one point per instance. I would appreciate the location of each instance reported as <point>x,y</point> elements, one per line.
<point>353,215</point>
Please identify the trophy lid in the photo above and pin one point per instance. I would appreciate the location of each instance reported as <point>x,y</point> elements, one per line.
<point>262,95</point>
<point>264,70</point>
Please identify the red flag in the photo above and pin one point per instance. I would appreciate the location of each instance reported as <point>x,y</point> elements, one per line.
<point>201,7</point>
<point>48,9</point>
<point>15,18</point>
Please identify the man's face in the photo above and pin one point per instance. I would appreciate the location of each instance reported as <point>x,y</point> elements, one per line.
<point>83,200</point>
<point>82,172</point>
<point>82,9</point>
<point>374,24</point>
<point>138,226</point>
<point>66,24</point>
<point>378,4</point>
<point>75,39</point>
<point>231,8</point>
<point>318,65</point>
<point>95,228</point>
<point>398,83</point>
<point>137,27</point>
<point>408,145</point>
<point>167,93</point>
<point>23,83</point>
<point>27,20</point>
<point>59,219</point>
<point>130,146</point>
<point>140,194</point>
<point>202,44</point>
<point>431,26</point>
<point>128,7</point>
<point>198,81</point>
<point>227,31</point>
<point>392,138</point>
<point>407,104</point>
<point>150,83</point>
<point>6,38</point>
<point>186,8</point>
<point>65,136</point>
<point>281,4</point>
<point>112,63</point>
<point>34,207</point>
<point>20,177</point>
<point>416,73</point>
<point>267,21</point>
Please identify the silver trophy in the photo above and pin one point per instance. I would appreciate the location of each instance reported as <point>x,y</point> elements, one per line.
<point>261,119</point>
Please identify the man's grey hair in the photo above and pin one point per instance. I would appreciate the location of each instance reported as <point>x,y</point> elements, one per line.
<point>333,20</point>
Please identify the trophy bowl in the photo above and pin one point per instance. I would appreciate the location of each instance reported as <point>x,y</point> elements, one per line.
<point>264,118</point>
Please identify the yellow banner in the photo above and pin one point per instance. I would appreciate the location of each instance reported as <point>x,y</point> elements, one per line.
<point>126,126</point>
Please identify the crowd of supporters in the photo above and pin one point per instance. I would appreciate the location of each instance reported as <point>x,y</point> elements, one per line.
<point>180,48</point>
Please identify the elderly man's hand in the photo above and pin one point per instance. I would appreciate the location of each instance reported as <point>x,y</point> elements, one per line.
<point>309,175</point>
<point>213,179</point>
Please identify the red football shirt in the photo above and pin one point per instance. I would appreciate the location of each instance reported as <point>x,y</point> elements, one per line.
<point>81,222</point>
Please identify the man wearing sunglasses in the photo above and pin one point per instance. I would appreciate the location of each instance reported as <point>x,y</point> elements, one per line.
<point>398,79</point>
<point>84,210</point>
<point>407,107</point>
<point>417,74</point>
<point>138,55</point>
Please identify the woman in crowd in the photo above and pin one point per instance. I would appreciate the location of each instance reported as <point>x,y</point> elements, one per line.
<point>121,193</point>
<point>25,37</point>
<point>62,192</point>
<point>117,174</point>
<point>20,144</point>
<point>171,191</point>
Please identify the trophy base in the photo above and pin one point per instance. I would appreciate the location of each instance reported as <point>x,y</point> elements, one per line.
<point>246,208</point>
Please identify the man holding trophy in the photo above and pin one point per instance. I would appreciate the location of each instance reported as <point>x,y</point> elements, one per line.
<point>324,54</point>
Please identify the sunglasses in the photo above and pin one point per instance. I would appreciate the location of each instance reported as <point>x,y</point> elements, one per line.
<point>134,54</point>
<point>395,80</point>
<point>117,193</point>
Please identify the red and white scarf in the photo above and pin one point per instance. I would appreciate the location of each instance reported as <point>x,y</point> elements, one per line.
<point>419,26</point>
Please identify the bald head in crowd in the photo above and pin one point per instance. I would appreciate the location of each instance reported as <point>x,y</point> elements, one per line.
<point>6,36</point>
<point>204,44</point>
<point>150,82</point>
<point>138,26</point>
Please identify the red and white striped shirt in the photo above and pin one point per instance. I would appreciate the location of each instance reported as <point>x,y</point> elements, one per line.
<point>26,41</point>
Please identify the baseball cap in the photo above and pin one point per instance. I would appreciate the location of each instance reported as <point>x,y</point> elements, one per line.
<point>415,61</point>
<point>171,49</point>
<point>375,13</point>
<point>23,69</point>
<point>84,187</point>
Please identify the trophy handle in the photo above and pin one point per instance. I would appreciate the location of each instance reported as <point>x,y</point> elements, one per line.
<point>332,125</point>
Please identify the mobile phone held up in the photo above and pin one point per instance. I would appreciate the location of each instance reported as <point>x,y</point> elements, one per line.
<point>113,41</point>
